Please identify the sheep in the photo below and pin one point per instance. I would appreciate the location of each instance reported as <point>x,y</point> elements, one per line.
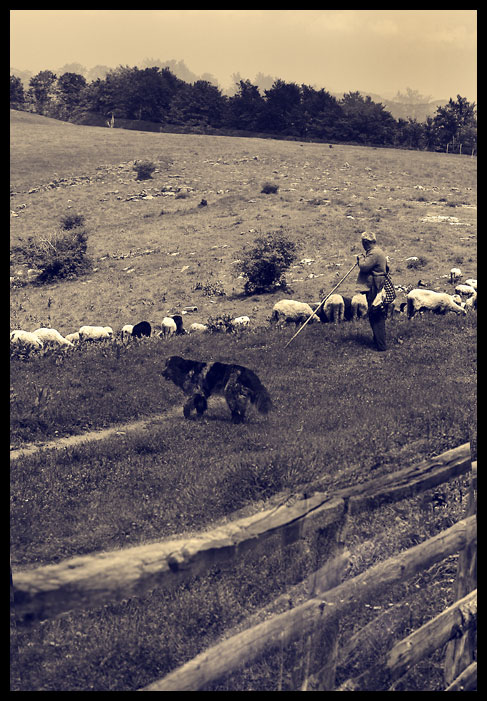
<point>334,308</point>
<point>455,275</point>
<point>472,282</point>
<point>52,336</point>
<point>95,333</point>
<point>289,310</point>
<point>240,322</point>
<point>127,331</point>
<point>143,328</point>
<point>73,337</point>
<point>198,328</point>
<point>27,339</point>
<point>168,327</point>
<point>464,290</point>
<point>359,306</point>
<point>471,302</point>
<point>179,323</point>
<point>438,302</point>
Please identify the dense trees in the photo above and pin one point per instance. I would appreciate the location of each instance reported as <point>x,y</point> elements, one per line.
<point>154,94</point>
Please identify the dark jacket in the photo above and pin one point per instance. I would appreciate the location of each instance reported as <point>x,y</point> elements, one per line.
<point>373,267</point>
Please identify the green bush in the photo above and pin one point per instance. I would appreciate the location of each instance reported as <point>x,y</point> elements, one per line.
<point>59,255</point>
<point>71,221</point>
<point>144,169</point>
<point>265,263</point>
<point>269,188</point>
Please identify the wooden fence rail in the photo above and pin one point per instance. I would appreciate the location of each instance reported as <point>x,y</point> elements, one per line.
<point>102,578</point>
<point>234,652</point>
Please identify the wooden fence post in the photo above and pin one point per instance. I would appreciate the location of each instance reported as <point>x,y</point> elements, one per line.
<point>460,652</point>
<point>322,646</point>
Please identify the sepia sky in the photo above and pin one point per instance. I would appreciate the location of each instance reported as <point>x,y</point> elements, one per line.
<point>379,51</point>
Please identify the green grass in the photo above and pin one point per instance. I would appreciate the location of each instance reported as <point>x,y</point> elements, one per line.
<point>343,413</point>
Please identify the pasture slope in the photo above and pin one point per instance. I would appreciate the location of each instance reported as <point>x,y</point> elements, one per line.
<point>343,413</point>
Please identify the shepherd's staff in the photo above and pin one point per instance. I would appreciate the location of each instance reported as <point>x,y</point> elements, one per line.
<point>321,304</point>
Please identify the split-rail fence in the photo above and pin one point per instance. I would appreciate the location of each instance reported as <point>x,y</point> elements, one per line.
<point>93,580</point>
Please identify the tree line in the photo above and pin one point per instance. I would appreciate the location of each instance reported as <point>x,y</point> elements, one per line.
<point>285,110</point>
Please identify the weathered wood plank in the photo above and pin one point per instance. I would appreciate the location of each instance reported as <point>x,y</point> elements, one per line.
<point>232,653</point>
<point>451,622</point>
<point>100,578</point>
<point>466,681</point>
<point>460,652</point>
<point>91,580</point>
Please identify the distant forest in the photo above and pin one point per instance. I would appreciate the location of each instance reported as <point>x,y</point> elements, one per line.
<point>155,99</point>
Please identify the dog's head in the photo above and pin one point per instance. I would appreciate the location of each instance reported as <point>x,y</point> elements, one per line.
<point>179,370</point>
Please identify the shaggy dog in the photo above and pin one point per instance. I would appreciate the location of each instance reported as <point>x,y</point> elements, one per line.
<point>198,380</point>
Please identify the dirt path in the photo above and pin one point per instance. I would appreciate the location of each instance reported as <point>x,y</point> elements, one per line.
<point>96,435</point>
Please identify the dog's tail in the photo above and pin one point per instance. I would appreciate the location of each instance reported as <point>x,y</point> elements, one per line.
<point>259,396</point>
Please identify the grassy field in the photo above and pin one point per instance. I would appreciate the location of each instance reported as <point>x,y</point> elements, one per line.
<point>326,198</point>
<point>342,414</point>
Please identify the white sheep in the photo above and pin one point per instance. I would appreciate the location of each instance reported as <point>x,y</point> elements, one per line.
<point>438,302</point>
<point>240,321</point>
<point>471,302</point>
<point>73,337</point>
<point>464,290</point>
<point>289,310</point>
<point>52,336</point>
<point>359,306</point>
<point>334,308</point>
<point>455,275</point>
<point>169,327</point>
<point>472,282</point>
<point>95,333</point>
<point>127,331</point>
<point>198,328</point>
<point>27,339</point>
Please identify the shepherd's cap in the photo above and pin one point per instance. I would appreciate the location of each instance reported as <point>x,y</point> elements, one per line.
<point>368,236</point>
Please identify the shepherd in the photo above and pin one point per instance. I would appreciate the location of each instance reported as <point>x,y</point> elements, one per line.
<point>370,281</point>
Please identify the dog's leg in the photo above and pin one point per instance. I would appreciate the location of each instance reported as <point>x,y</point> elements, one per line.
<point>196,402</point>
<point>200,404</point>
<point>237,398</point>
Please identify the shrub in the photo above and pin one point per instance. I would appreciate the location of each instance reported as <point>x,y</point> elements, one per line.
<point>418,262</point>
<point>59,255</point>
<point>269,188</point>
<point>144,169</point>
<point>70,221</point>
<point>265,263</point>
<point>210,288</point>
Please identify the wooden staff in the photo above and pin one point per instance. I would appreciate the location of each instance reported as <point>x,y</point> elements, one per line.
<point>320,305</point>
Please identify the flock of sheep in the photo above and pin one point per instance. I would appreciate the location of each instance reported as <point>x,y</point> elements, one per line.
<point>336,309</point>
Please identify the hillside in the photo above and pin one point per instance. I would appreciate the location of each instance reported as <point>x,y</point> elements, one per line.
<point>155,248</point>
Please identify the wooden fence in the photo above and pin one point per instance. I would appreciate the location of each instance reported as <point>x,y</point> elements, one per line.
<point>89,581</point>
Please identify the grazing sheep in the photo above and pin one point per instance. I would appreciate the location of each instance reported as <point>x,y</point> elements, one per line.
<point>471,282</point>
<point>127,331</point>
<point>73,337</point>
<point>471,302</point>
<point>179,323</point>
<point>464,290</point>
<point>168,327</point>
<point>143,328</point>
<point>455,274</point>
<point>334,308</point>
<point>198,328</point>
<point>95,333</point>
<point>240,321</point>
<point>428,300</point>
<point>359,306</point>
<point>27,339</point>
<point>289,310</point>
<point>52,336</point>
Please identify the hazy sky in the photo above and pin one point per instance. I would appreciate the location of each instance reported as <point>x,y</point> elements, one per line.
<point>380,51</point>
